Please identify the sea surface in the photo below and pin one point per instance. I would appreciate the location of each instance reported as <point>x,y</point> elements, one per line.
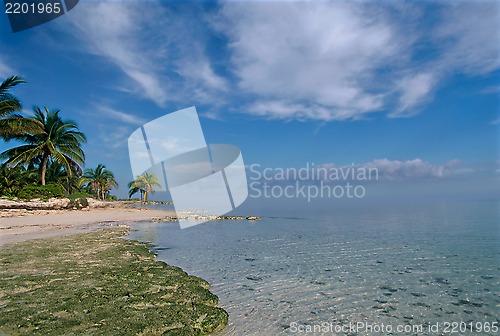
<point>347,272</point>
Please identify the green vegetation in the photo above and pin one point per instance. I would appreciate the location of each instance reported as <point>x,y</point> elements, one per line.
<point>100,180</point>
<point>43,192</point>
<point>51,138</point>
<point>50,153</point>
<point>94,283</point>
<point>145,184</point>
<point>9,104</point>
<point>99,283</point>
<point>78,195</point>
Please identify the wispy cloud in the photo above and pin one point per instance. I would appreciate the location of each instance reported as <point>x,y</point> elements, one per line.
<point>113,138</point>
<point>5,70</point>
<point>415,169</point>
<point>396,170</point>
<point>343,60</point>
<point>378,169</point>
<point>121,116</point>
<point>307,60</point>
<point>160,50</point>
<point>468,33</point>
<point>415,90</point>
<point>117,31</point>
<point>495,89</point>
<point>323,61</point>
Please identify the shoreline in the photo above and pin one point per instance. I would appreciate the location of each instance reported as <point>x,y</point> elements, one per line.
<point>56,223</point>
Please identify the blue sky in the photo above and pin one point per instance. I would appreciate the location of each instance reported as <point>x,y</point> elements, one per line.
<point>411,88</point>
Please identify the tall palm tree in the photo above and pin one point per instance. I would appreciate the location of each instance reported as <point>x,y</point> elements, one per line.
<point>144,184</point>
<point>100,179</point>
<point>9,104</point>
<point>52,138</point>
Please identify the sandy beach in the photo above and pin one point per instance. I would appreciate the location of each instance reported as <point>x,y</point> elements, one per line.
<point>52,224</point>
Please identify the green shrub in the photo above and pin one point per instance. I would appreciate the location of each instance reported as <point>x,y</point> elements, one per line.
<point>79,203</point>
<point>42,192</point>
<point>79,195</point>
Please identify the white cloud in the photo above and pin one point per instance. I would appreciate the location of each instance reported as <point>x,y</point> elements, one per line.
<point>302,60</point>
<point>470,36</point>
<point>326,54</point>
<point>110,137</point>
<point>161,51</point>
<point>415,90</point>
<point>343,60</point>
<point>378,169</point>
<point>416,168</point>
<point>199,70</point>
<point>121,116</point>
<point>5,70</point>
<point>494,89</point>
<point>405,170</point>
<point>116,31</point>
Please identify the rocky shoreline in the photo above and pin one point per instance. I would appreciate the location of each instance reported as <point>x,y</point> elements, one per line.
<point>10,208</point>
<point>198,217</point>
<point>14,208</point>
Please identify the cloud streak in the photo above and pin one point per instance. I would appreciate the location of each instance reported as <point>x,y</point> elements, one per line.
<point>5,70</point>
<point>115,30</point>
<point>415,169</point>
<point>375,170</point>
<point>121,116</point>
<point>344,60</point>
<point>312,61</point>
<point>338,60</point>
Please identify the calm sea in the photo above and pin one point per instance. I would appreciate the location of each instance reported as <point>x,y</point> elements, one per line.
<point>420,271</point>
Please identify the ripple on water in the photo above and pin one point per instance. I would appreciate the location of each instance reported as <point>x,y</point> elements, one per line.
<point>271,273</point>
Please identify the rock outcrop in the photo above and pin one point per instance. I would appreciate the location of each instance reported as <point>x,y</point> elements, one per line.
<point>10,208</point>
<point>201,217</point>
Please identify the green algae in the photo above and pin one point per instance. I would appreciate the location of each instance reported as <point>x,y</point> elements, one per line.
<point>100,284</point>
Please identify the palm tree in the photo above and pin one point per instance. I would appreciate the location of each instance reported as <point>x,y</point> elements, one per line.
<point>52,138</point>
<point>134,189</point>
<point>100,179</point>
<point>144,184</point>
<point>56,173</point>
<point>9,104</point>
<point>10,181</point>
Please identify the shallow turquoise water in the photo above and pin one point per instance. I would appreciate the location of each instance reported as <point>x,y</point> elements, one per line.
<point>380,267</point>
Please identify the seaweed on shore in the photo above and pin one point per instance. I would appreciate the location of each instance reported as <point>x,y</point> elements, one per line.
<point>99,283</point>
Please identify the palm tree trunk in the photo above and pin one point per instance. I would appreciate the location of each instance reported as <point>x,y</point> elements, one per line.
<point>44,168</point>
<point>145,196</point>
<point>96,189</point>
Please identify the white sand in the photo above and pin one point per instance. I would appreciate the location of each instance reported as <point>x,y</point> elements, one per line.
<point>17,229</point>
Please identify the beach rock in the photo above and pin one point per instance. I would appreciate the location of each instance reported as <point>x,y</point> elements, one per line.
<point>9,208</point>
<point>36,204</point>
<point>229,218</point>
<point>200,217</point>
